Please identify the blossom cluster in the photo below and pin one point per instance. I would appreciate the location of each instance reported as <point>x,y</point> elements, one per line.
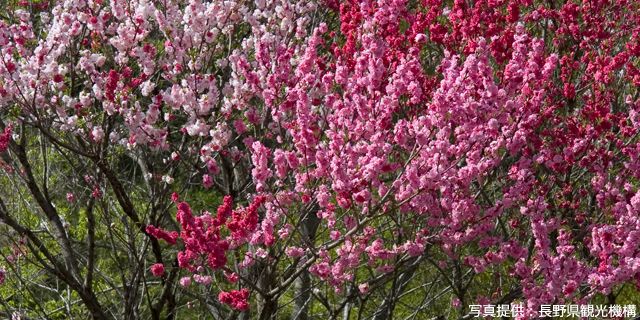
<point>235,298</point>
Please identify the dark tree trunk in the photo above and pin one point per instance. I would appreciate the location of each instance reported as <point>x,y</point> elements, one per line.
<point>302,289</point>
<point>91,302</point>
<point>268,309</point>
<point>388,304</point>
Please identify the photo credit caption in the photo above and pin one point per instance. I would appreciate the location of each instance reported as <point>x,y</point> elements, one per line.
<point>546,310</point>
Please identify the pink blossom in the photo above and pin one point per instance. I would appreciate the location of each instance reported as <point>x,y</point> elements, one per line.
<point>235,298</point>
<point>158,233</point>
<point>207,181</point>
<point>385,268</point>
<point>97,133</point>
<point>185,281</point>
<point>157,269</point>
<point>4,138</point>
<point>96,192</point>
<point>233,277</point>
<point>294,252</point>
<point>284,232</point>
<point>414,249</point>
<point>202,279</point>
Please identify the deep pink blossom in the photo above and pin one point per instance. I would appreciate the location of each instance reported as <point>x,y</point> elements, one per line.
<point>235,298</point>
<point>157,269</point>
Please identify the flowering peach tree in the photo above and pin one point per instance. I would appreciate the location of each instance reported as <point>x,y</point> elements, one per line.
<point>329,159</point>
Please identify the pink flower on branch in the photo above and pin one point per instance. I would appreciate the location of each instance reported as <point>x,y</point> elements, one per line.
<point>157,269</point>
